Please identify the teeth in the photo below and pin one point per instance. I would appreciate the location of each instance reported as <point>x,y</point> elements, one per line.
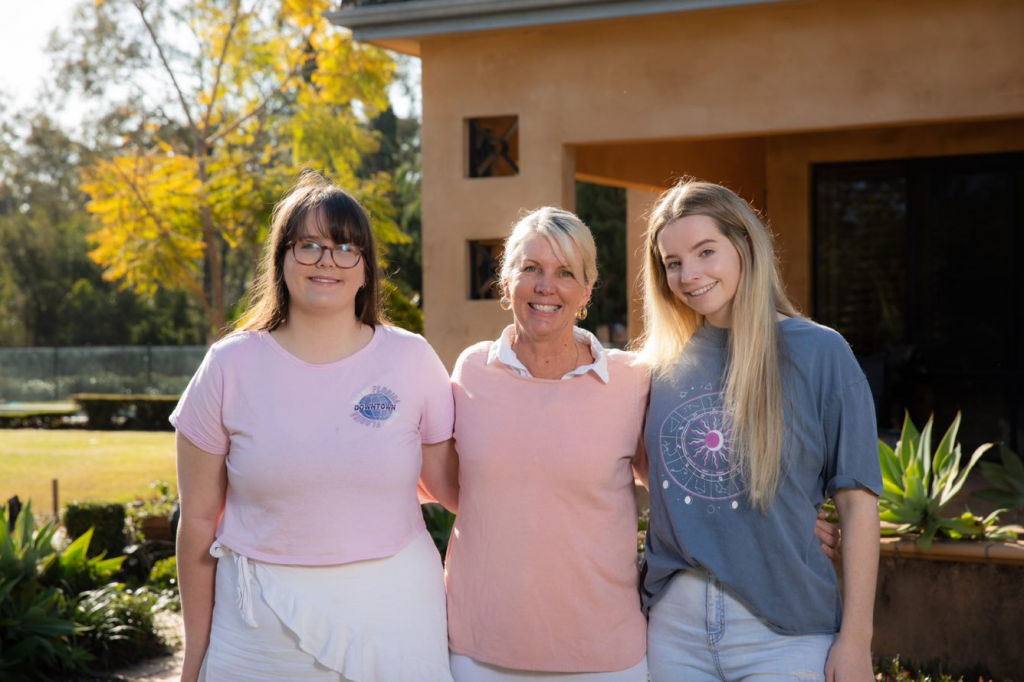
<point>544,308</point>
<point>702,290</point>
<point>322,279</point>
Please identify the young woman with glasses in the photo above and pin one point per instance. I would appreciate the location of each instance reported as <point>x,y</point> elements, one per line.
<point>302,552</point>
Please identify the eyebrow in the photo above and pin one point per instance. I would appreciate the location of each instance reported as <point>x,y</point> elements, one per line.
<point>696,246</point>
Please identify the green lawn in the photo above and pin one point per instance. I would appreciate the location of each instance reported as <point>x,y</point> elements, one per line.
<point>91,466</point>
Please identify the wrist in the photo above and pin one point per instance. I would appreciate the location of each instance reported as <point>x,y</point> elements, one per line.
<point>854,636</point>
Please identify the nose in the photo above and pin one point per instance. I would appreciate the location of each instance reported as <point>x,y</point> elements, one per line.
<point>326,259</point>
<point>688,272</point>
<point>545,284</point>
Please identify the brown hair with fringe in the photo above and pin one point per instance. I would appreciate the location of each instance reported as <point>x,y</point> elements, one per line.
<point>339,217</point>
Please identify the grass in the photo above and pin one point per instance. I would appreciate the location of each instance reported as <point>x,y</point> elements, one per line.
<point>91,466</point>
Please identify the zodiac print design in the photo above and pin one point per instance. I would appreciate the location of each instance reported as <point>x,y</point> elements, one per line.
<point>696,451</point>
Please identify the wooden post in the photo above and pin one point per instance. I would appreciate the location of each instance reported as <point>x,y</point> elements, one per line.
<point>56,501</point>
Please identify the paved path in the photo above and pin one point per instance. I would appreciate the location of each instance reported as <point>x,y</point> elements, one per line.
<point>165,668</point>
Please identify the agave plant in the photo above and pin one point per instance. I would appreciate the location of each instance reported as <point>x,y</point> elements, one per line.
<point>918,484</point>
<point>1007,480</point>
<point>35,634</point>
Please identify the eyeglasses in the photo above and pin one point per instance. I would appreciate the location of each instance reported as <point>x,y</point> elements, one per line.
<point>309,253</point>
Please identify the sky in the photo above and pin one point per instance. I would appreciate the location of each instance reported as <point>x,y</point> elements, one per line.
<point>24,31</point>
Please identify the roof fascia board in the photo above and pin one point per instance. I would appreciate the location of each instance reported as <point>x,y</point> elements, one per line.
<point>418,18</point>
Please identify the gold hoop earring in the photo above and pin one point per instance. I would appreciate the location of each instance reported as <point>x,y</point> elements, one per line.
<point>582,313</point>
<point>505,303</point>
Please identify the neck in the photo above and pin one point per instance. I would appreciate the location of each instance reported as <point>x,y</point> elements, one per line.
<point>320,339</point>
<point>548,358</point>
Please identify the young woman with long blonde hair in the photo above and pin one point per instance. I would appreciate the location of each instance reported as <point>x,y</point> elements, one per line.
<point>756,415</point>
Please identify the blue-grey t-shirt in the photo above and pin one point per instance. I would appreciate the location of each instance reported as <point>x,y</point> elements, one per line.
<point>700,514</point>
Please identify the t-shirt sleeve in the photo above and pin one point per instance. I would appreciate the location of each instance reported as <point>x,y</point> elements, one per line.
<point>438,414</point>
<point>851,440</point>
<point>198,415</point>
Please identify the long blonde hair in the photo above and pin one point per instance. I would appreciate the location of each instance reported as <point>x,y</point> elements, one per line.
<point>753,393</point>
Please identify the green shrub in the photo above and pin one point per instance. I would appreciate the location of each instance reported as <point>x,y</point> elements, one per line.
<point>35,630</point>
<point>119,625</point>
<point>1006,479</point>
<point>140,412</point>
<point>918,485</point>
<point>164,579</point>
<point>75,571</point>
<point>400,310</point>
<point>439,523</point>
<point>107,522</point>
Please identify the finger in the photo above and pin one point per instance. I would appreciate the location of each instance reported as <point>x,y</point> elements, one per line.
<point>832,554</point>
<point>822,515</point>
<point>827,532</point>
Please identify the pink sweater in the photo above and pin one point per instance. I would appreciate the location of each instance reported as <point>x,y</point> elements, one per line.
<point>541,570</point>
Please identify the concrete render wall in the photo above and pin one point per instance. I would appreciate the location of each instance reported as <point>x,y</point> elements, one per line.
<point>747,96</point>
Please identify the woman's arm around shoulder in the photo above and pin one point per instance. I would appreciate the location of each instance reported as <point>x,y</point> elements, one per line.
<point>202,485</point>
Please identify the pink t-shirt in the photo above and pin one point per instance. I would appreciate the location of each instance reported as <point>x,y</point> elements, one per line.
<point>541,569</point>
<point>323,460</point>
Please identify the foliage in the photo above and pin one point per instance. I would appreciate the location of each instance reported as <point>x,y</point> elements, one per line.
<point>400,311</point>
<point>142,412</point>
<point>119,625</point>
<point>104,522</point>
<point>895,670</point>
<point>917,486</point>
<point>1006,479</point>
<point>246,94</point>
<point>74,571</point>
<point>35,631</point>
<point>51,293</point>
<point>603,209</point>
<point>163,578</point>
<point>439,522</point>
<point>159,503</point>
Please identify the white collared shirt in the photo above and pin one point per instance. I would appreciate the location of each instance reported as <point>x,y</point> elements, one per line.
<point>502,351</point>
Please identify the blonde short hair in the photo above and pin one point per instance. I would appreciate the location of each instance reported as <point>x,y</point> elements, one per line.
<point>564,230</point>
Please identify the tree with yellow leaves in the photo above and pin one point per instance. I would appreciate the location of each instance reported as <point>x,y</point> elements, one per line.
<point>221,102</point>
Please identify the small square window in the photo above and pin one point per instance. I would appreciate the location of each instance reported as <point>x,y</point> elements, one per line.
<point>484,262</point>
<point>494,147</point>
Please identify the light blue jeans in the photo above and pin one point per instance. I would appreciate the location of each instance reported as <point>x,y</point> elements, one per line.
<point>699,632</point>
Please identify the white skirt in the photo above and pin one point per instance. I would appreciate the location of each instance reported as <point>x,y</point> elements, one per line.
<point>380,620</point>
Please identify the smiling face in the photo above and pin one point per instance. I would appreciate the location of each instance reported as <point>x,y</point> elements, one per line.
<point>702,267</point>
<point>323,288</point>
<point>545,290</point>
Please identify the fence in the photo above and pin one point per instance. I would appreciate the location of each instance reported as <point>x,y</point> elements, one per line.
<point>42,374</point>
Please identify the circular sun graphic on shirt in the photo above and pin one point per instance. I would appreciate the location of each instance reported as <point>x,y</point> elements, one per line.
<point>696,449</point>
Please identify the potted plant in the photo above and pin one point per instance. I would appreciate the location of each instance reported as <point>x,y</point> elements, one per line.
<point>946,580</point>
<point>152,514</point>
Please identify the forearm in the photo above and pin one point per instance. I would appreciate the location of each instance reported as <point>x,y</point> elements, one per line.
<point>196,578</point>
<point>858,517</point>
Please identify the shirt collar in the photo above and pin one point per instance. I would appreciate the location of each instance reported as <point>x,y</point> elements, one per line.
<point>503,352</point>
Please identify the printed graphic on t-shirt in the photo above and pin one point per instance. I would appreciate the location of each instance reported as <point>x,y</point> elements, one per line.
<point>375,406</point>
<point>696,450</point>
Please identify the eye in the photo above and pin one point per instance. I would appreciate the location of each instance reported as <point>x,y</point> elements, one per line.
<point>529,268</point>
<point>566,273</point>
<point>706,252</point>
<point>672,265</point>
<point>311,247</point>
<point>344,248</point>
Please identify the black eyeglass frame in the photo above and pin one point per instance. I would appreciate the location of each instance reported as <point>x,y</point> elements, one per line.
<point>295,242</point>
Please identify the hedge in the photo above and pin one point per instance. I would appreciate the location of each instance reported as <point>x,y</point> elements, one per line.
<point>143,412</point>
